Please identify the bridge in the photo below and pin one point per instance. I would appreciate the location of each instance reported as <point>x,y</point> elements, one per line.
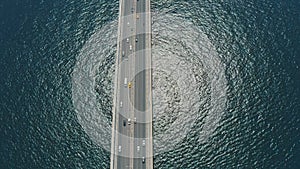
<point>131,143</point>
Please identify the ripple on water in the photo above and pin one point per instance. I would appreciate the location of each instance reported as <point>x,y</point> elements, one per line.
<point>188,83</point>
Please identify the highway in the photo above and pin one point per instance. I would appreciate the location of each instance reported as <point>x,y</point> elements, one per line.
<point>131,145</point>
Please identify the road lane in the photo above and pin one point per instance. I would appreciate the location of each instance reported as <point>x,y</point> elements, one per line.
<point>140,80</point>
<point>124,112</point>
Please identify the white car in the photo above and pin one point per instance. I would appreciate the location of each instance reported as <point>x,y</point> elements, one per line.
<point>121,104</point>
<point>130,47</point>
<point>129,121</point>
<point>127,40</point>
<point>120,149</point>
<point>138,148</point>
<point>144,143</point>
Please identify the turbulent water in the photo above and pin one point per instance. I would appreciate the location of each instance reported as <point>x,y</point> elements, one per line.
<point>225,83</point>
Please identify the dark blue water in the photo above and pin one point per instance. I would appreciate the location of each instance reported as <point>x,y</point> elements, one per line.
<point>257,42</point>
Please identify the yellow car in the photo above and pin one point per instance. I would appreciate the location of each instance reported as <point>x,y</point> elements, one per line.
<point>129,85</point>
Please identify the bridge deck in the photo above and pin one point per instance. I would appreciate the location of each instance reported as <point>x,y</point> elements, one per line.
<point>131,145</point>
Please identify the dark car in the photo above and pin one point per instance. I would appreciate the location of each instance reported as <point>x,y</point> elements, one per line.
<point>124,122</point>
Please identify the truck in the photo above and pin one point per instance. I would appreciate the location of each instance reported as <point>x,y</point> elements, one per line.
<point>125,81</point>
